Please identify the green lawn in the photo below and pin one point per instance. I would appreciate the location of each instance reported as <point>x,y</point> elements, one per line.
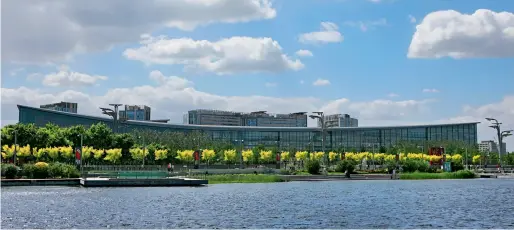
<point>240,178</point>
<point>463,174</point>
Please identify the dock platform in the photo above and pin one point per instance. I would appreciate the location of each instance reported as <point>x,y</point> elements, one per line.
<point>141,182</point>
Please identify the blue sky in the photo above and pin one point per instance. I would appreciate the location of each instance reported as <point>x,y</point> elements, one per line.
<point>368,67</point>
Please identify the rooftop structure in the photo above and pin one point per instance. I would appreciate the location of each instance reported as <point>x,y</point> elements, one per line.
<point>69,107</point>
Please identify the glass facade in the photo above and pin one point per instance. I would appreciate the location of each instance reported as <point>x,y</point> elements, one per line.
<point>301,138</point>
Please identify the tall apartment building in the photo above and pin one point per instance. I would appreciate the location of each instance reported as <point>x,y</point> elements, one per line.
<point>259,118</point>
<point>490,146</point>
<point>62,106</point>
<point>339,120</point>
<point>135,112</point>
<point>214,117</point>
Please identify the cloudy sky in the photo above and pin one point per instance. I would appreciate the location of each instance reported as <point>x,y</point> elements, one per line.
<point>386,62</point>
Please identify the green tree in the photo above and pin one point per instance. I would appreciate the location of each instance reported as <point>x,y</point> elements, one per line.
<point>100,136</point>
<point>73,134</point>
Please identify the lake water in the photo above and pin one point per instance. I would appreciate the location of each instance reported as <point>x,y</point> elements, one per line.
<point>481,203</point>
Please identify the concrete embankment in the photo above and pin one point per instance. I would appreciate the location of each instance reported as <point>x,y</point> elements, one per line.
<point>154,182</point>
<point>40,182</point>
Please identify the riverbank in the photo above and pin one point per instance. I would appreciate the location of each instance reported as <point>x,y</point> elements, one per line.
<point>464,174</point>
<point>261,178</point>
<point>242,178</point>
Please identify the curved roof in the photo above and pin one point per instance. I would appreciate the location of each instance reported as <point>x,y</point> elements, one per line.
<point>216,127</point>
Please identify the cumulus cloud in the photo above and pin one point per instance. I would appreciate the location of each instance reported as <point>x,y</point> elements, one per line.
<point>321,82</point>
<point>449,33</point>
<point>172,96</point>
<point>328,34</point>
<point>52,31</point>
<point>503,111</point>
<point>304,53</point>
<point>67,78</point>
<point>226,56</point>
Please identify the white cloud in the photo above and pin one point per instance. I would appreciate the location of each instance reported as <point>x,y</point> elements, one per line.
<point>67,78</point>
<point>171,97</point>
<point>449,33</point>
<point>430,91</point>
<point>304,53</point>
<point>366,25</point>
<point>412,19</point>
<point>321,82</point>
<point>393,95</point>
<point>328,34</point>
<point>52,31</point>
<point>226,56</point>
<point>270,84</point>
<point>503,111</point>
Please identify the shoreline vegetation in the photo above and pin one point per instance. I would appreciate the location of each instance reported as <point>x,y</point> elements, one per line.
<point>462,174</point>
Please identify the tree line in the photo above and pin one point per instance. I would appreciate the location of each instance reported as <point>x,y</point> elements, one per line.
<point>100,136</point>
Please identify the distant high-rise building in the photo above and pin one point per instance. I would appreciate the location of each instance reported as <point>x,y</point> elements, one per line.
<point>259,118</point>
<point>135,112</point>
<point>490,146</point>
<point>339,120</point>
<point>62,106</point>
<point>214,117</point>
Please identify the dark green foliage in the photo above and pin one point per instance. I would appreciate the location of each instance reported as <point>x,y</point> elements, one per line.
<point>456,166</point>
<point>59,170</point>
<point>345,165</point>
<point>382,149</point>
<point>10,171</point>
<point>313,167</point>
<point>415,165</point>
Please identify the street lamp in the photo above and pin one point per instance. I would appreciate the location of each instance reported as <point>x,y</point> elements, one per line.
<point>501,135</point>
<point>144,149</point>
<point>241,153</point>
<point>321,118</point>
<point>113,114</point>
<point>15,145</point>
<point>81,154</point>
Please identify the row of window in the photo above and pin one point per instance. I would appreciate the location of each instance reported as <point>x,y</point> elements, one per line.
<point>308,140</point>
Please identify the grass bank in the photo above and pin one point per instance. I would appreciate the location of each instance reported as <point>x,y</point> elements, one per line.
<point>240,178</point>
<point>463,174</point>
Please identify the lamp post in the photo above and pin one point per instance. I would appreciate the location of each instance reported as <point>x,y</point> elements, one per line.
<point>15,145</point>
<point>144,148</point>
<point>81,154</point>
<point>113,114</point>
<point>321,118</point>
<point>241,152</point>
<point>501,135</point>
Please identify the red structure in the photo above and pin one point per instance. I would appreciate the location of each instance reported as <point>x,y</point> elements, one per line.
<point>197,155</point>
<point>437,151</point>
<point>278,157</point>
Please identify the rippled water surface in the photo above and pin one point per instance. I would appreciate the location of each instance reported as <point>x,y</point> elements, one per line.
<point>338,204</point>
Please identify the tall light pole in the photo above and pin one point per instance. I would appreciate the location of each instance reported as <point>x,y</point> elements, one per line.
<point>241,152</point>
<point>144,149</point>
<point>15,145</point>
<point>501,135</point>
<point>113,114</point>
<point>321,118</point>
<point>81,154</point>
